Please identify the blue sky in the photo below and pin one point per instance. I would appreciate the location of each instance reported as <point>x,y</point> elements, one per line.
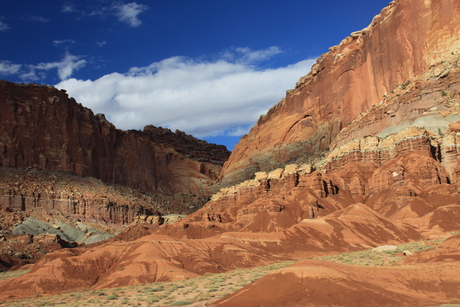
<point>209,68</point>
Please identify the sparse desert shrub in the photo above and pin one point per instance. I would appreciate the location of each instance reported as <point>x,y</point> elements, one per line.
<point>112,297</point>
<point>180,303</point>
<point>404,85</point>
<point>158,289</point>
<point>152,299</point>
<point>429,248</point>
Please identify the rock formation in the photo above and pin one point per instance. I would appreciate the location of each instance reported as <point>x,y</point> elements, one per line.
<point>288,213</point>
<point>402,42</point>
<point>52,149</point>
<point>42,128</point>
<point>85,198</point>
<point>363,152</point>
<point>411,188</point>
<point>164,258</point>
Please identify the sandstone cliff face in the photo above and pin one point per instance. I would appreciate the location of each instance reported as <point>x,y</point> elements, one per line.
<point>44,129</point>
<point>419,116</point>
<point>54,197</point>
<point>402,42</point>
<point>411,187</point>
<point>41,211</point>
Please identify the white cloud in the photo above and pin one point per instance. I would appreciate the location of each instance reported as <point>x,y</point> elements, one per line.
<point>3,26</point>
<point>238,131</point>
<point>65,68</point>
<point>260,55</point>
<point>8,68</point>
<point>128,13</point>
<point>101,43</point>
<point>63,43</point>
<point>85,9</point>
<point>68,8</point>
<point>221,97</point>
<point>29,76</point>
<point>39,19</point>
<point>125,12</point>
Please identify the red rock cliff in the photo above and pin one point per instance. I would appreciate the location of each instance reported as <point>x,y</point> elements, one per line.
<point>403,41</point>
<point>41,127</point>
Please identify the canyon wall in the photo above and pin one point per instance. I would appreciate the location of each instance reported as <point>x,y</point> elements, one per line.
<point>54,196</point>
<point>406,39</point>
<point>42,128</point>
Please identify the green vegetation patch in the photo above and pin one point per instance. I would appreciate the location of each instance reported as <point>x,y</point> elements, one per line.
<point>371,258</point>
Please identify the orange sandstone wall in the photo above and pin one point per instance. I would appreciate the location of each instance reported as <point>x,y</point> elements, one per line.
<point>404,40</point>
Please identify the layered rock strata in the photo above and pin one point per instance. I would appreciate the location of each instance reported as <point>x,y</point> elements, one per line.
<point>411,187</point>
<point>41,127</point>
<point>379,150</point>
<point>52,196</point>
<point>288,213</point>
<point>402,42</point>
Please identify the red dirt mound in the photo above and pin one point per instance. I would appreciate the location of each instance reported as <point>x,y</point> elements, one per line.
<point>320,283</point>
<point>448,251</point>
<point>163,258</point>
<point>152,259</point>
<point>438,223</point>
